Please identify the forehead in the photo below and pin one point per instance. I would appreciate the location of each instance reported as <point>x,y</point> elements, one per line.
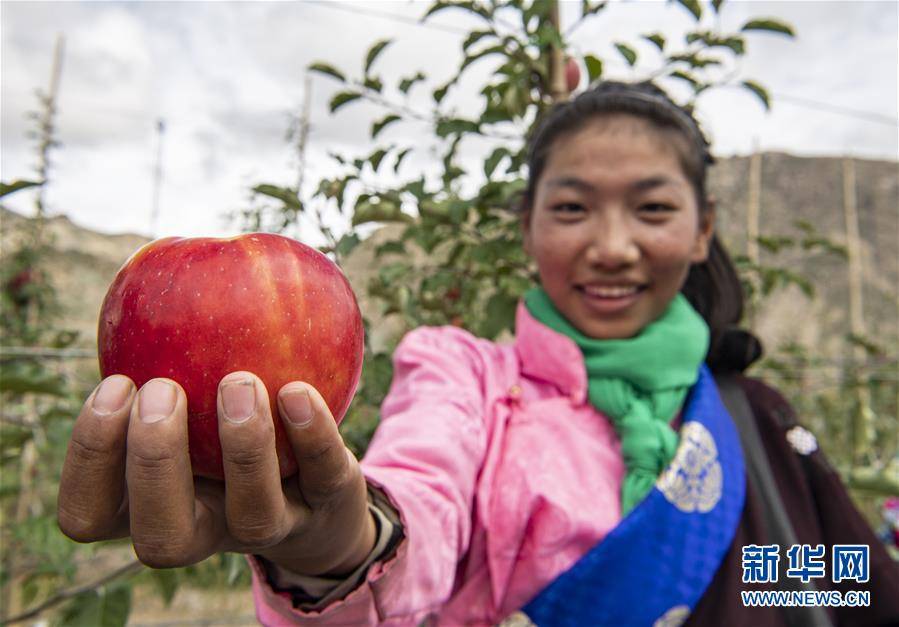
<point>619,145</point>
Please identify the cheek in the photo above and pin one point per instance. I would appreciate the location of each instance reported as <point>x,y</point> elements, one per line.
<point>671,250</point>
<point>554,250</point>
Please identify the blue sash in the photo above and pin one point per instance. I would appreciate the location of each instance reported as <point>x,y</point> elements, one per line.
<point>655,565</point>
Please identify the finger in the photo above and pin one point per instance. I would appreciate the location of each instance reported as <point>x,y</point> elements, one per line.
<point>255,506</point>
<point>90,506</point>
<point>327,469</point>
<point>165,521</point>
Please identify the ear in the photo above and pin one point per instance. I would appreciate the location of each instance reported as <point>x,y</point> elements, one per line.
<point>526,236</point>
<point>706,231</point>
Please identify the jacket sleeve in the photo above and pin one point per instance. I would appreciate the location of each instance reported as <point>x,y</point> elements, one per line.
<point>425,457</point>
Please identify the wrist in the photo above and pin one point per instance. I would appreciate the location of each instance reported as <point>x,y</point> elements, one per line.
<point>325,566</point>
<point>366,544</point>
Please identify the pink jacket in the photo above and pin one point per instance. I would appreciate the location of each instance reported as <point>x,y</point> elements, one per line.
<point>502,472</point>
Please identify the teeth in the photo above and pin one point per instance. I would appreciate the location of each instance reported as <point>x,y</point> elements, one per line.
<point>610,291</point>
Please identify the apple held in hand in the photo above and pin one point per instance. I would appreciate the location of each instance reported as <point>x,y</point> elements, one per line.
<point>195,309</point>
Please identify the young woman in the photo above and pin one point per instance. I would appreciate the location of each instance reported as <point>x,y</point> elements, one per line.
<point>588,473</point>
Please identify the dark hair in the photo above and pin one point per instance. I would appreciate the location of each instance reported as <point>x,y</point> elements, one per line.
<point>712,287</point>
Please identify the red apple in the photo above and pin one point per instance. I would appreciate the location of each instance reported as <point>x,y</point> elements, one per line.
<point>572,74</point>
<point>194,309</point>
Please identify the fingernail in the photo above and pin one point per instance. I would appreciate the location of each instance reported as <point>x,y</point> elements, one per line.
<point>297,406</point>
<point>157,401</point>
<point>111,395</point>
<point>239,400</point>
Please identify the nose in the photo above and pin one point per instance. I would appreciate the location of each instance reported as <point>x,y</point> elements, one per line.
<point>612,244</point>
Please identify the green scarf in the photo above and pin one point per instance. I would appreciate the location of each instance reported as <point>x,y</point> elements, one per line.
<point>640,383</point>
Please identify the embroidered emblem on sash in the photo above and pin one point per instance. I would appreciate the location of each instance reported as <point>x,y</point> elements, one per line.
<point>802,440</point>
<point>693,481</point>
<point>675,617</point>
<point>517,619</point>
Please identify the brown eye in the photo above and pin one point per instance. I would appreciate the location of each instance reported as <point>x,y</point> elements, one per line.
<point>567,208</point>
<point>657,207</point>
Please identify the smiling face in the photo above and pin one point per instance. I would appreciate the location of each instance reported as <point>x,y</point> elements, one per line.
<point>614,225</point>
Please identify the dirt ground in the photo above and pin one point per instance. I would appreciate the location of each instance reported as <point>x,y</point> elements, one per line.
<point>193,607</point>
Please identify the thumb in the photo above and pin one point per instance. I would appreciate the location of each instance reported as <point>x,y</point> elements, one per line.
<point>326,467</point>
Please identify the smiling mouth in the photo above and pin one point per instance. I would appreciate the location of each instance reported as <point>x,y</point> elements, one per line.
<point>610,291</point>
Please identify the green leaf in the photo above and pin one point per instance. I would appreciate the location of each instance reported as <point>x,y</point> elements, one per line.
<point>376,157</point>
<point>775,243</point>
<point>493,160</point>
<point>407,83</point>
<point>458,211</point>
<point>826,245</point>
<point>769,24</point>
<point>536,9</point>
<point>440,5</point>
<point>399,159</point>
<point>473,38</point>
<point>759,91</point>
<point>373,83</point>
<point>693,7</point>
<point>13,437</point>
<point>346,244</point>
<point>458,126</point>
<point>694,60</point>
<point>685,77</point>
<point>737,44</point>
<point>451,173</point>
<point>15,186</point>
<point>471,58</point>
<point>548,35</point>
<point>628,53</point>
<point>379,125</point>
<point>285,194</point>
<point>594,67</point>
<point>390,248</point>
<point>588,9</point>
<point>328,70</point>
<point>440,93</point>
<point>805,226</point>
<point>373,209</point>
<point>237,568</point>
<point>416,188</point>
<point>500,314</point>
<point>108,606</point>
<point>34,383</point>
<point>716,4</point>
<point>374,52</point>
<point>342,98</point>
<point>391,272</point>
<point>657,39</point>
<point>166,583</point>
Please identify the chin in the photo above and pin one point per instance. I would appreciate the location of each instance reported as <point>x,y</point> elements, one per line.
<point>612,333</point>
<point>607,329</point>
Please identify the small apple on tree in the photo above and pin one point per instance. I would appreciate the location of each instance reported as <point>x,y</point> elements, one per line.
<point>572,74</point>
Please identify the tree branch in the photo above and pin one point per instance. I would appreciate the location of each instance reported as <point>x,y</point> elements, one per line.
<point>128,569</point>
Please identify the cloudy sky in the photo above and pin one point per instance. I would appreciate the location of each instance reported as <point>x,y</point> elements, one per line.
<point>226,78</point>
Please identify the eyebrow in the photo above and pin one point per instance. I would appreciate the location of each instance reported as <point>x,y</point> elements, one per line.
<point>639,186</point>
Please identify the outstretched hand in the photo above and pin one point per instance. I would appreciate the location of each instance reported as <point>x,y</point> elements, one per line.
<point>127,473</point>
